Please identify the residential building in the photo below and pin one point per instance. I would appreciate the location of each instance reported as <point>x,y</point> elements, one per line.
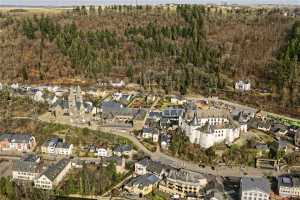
<point>117,84</point>
<point>102,152</point>
<point>53,175</point>
<point>142,185</point>
<point>165,141</point>
<point>27,168</point>
<point>264,126</point>
<point>210,127</point>
<point>17,142</point>
<point>289,186</point>
<point>57,146</point>
<point>182,182</point>
<point>123,150</point>
<point>147,165</point>
<point>242,85</point>
<point>178,100</point>
<point>150,133</point>
<point>155,115</point>
<point>173,116</point>
<point>255,188</point>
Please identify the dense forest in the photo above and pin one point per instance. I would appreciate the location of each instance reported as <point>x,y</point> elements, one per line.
<point>184,49</point>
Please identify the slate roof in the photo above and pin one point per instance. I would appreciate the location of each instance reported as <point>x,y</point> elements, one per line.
<point>110,106</point>
<point>288,181</point>
<point>30,158</point>
<point>155,114</point>
<point>154,166</point>
<point>122,148</point>
<point>250,183</point>
<point>143,181</point>
<point>16,138</point>
<point>172,112</point>
<point>25,166</point>
<point>185,176</point>
<point>54,170</point>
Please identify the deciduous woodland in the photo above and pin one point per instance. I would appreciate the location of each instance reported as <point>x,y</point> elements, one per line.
<point>185,49</point>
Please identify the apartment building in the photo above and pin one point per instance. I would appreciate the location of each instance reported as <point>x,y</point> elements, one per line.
<point>53,175</point>
<point>289,186</point>
<point>254,188</point>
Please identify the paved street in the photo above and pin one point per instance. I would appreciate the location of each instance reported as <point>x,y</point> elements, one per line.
<point>159,156</point>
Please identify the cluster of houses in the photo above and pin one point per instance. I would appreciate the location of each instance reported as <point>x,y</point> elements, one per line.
<point>31,168</point>
<point>152,175</point>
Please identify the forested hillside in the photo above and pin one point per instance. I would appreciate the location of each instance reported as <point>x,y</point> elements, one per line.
<point>188,49</point>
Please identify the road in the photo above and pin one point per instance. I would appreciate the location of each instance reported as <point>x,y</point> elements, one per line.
<point>173,161</point>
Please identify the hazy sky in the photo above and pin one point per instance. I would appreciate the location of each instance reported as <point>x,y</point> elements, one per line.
<point>97,2</point>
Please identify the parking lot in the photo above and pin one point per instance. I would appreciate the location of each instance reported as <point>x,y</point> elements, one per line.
<point>5,168</point>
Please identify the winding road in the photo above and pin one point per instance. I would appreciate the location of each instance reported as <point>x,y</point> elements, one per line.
<point>169,160</point>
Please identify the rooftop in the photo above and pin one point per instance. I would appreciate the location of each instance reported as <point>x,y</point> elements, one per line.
<point>288,181</point>
<point>143,181</point>
<point>54,170</point>
<point>251,183</point>
<point>185,176</point>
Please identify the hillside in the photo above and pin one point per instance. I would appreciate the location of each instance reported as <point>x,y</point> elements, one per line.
<point>189,49</point>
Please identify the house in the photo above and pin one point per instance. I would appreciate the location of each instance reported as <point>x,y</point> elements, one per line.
<point>117,84</point>
<point>57,146</point>
<point>279,129</point>
<point>178,100</point>
<point>264,126</point>
<point>242,85</point>
<point>147,165</point>
<point>102,152</point>
<point>27,168</point>
<point>255,188</point>
<point>53,175</point>
<point>142,185</point>
<point>123,150</point>
<point>18,142</point>
<point>289,186</point>
<point>165,141</point>
<point>297,138</point>
<point>183,182</point>
<point>155,115</point>
<point>150,133</point>
<point>173,116</point>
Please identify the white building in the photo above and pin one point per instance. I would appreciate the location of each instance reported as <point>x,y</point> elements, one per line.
<point>38,96</point>
<point>255,188</point>
<point>102,152</point>
<point>53,175</point>
<point>25,170</point>
<point>57,146</point>
<point>210,127</point>
<point>243,85</point>
<point>289,186</point>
